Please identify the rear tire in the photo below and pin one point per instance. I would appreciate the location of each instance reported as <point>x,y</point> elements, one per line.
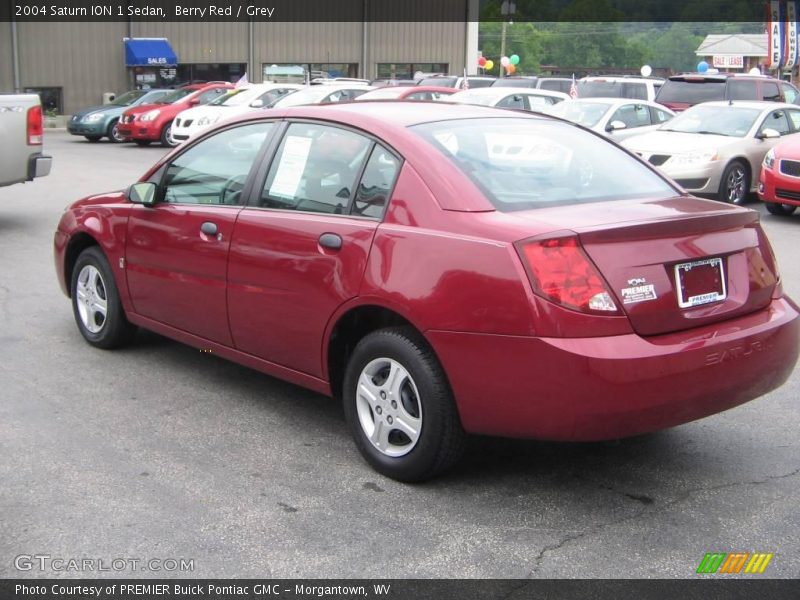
<point>96,304</point>
<point>93,138</point>
<point>399,406</point>
<point>782,210</point>
<point>735,184</point>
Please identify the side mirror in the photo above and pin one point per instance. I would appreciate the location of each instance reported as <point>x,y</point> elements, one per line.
<point>257,103</point>
<point>615,126</point>
<point>769,134</point>
<point>143,193</point>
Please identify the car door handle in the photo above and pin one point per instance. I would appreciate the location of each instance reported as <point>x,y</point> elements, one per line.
<point>209,228</point>
<point>331,241</point>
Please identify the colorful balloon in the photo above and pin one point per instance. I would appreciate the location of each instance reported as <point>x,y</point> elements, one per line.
<point>505,61</point>
<point>511,69</point>
<point>514,58</point>
<point>482,61</point>
<point>702,66</point>
<point>489,65</point>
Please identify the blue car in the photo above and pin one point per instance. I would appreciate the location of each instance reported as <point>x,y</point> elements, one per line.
<point>101,121</point>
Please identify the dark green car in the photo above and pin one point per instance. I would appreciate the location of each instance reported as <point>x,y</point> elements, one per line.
<point>101,121</point>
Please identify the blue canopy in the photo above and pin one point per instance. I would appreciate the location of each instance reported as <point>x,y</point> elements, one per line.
<point>149,52</point>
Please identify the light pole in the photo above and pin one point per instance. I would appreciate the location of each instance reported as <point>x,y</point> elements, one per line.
<point>507,9</point>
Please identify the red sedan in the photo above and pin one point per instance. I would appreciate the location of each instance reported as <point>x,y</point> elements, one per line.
<point>779,182</point>
<point>442,269</point>
<point>153,122</point>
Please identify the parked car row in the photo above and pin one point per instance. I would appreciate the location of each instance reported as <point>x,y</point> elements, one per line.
<point>714,149</point>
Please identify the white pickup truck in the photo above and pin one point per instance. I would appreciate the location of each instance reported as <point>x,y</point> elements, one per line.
<point>21,133</point>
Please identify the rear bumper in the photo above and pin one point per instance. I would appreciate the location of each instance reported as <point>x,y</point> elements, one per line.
<point>585,389</point>
<point>39,165</point>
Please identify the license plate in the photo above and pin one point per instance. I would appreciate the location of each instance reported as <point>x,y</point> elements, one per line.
<point>700,282</point>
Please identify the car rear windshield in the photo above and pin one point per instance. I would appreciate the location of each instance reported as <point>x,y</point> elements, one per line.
<point>691,91</point>
<point>440,81</point>
<point>521,164</point>
<point>602,88</point>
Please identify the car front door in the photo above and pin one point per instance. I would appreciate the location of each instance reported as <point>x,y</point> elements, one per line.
<point>300,247</point>
<point>177,250</point>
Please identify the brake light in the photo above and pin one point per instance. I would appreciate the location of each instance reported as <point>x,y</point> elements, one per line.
<point>35,126</point>
<point>561,272</point>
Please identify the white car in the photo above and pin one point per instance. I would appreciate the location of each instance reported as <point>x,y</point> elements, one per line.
<point>615,117</point>
<point>503,97</point>
<point>323,94</point>
<point>608,86</point>
<point>716,148</point>
<point>195,120</point>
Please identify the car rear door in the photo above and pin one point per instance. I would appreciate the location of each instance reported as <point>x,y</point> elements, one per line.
<point>177,250</point>
<point>300,247</point>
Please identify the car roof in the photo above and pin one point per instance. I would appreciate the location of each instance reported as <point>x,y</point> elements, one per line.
<point>757,104</point>
<point>492,91</point>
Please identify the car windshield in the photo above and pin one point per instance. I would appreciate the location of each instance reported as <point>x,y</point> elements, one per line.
<point>175,96</point>
<point>587,114</point>
<point>733,121</point>
<point>439,81</point>
<point>128,98</point>
<point>691,91</point>
<point>225,98</point>
<point>522,164</point>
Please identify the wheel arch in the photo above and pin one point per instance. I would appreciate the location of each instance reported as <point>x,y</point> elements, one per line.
<point>348,327</point>
<point>77,244</point>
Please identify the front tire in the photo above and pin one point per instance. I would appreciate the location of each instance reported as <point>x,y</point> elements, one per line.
<point>399,406</point>
<point>96,304</point>
<point>166,136</point>
<point>735,184</point>
<point>781,210</point>
<point>113,132</point>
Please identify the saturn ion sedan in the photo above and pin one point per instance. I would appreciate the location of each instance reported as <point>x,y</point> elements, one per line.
<point>443,270</point>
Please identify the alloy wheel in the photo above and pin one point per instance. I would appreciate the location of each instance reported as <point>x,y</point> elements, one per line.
<point>91,300</point>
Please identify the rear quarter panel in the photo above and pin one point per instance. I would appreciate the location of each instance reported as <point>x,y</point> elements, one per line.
<point>14,149</point>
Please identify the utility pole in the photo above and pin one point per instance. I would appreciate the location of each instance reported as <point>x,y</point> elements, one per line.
<point>507,9</point>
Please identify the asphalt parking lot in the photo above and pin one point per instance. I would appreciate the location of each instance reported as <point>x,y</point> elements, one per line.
<point>161,451</point>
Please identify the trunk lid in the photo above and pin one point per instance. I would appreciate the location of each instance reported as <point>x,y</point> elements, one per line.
<point>675,264</point>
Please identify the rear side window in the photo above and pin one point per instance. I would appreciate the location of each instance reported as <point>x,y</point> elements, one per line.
<point>521,164</point>
<point>555,85</point>
<point>691,92</point>
<point>742,90</point>
<point>315,169</point>
<point>770,91</point>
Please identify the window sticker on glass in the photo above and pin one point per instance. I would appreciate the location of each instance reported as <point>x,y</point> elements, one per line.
<point>292,166</point>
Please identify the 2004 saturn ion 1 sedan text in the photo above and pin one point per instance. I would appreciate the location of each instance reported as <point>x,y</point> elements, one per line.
<point>443,270</point>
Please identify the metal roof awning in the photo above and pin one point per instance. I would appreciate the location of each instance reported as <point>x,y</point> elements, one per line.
<point>149,52</point>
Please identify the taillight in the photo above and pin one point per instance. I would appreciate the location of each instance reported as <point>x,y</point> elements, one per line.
<point>561,272</point>
<point>35,126</point>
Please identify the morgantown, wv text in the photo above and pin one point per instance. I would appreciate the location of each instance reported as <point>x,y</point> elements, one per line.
<point>200,590</point>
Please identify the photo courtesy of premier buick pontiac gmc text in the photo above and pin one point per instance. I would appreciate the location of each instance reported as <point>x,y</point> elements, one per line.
<point>444,271</point>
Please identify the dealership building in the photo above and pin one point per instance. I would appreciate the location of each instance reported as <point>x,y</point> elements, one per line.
<point>73,64</point>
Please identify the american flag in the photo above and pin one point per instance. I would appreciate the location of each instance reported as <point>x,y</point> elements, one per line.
<point>465,82</point>
<point>242,81</point>
<point>573,89</point>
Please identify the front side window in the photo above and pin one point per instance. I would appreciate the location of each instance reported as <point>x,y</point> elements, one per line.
<point>214,170</point>
<point>522,164</point>
<point>633,115</point>
<point>513,101</point>
<point>770,92</point>
<point>778,121</point>
<point>210,95</point>
<point>315,169</point>
<point>743,90</point>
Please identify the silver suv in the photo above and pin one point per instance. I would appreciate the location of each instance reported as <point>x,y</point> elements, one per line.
<point>610,86</point>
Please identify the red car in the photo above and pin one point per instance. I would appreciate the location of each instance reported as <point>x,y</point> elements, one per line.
<point>443,269</point>
<point>153,122</point>
<point>779,182</point>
